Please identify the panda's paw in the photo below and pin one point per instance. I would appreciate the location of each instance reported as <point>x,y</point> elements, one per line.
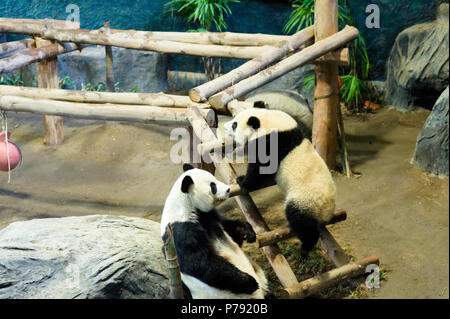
<point>250,236</point>
<point>241,181</point>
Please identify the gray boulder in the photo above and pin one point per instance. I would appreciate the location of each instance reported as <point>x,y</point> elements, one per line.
<point>431,153</point>
<point>418,66</point>
<point>95,256</point>
<point>290,102</point>
<point>146,70</point>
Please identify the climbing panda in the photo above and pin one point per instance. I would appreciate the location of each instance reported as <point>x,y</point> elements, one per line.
<point>208,246</point>
<point>301,173</point>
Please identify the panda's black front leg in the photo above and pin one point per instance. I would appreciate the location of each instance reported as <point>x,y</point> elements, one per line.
<point>239,230</point>
<point>252,179</point>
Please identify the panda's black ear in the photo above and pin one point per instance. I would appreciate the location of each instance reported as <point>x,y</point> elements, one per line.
<point>259,104</point>
<point>187,167</point>
<point>253,122</point>
<point>187,182</point>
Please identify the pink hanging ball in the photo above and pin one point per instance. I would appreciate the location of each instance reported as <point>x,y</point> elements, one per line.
<point>15,156</point>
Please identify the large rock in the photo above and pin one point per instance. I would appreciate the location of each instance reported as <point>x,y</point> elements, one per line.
<point>146,70</point>
<point>431,153</point>
<point>418,67</point>
<point>96,256</point>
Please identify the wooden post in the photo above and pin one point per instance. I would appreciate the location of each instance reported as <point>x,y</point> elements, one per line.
<point>48,78</point>
<point>109,63</point>
<point>326,94</point>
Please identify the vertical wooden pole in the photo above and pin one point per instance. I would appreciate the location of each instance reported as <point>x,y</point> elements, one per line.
<point>326,94</point>
<point>109,64</point>
<point>48,78</point>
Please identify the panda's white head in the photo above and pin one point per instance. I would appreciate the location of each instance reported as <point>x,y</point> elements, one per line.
<point>256,122</point>
<point>202,189</point>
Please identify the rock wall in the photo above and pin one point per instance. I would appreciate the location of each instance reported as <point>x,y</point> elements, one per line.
<point>96,256</point>
<point>148,72</point>
<point>418,67</point>
<point>432,149</point>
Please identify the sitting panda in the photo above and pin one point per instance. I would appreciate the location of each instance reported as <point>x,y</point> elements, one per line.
<point>301,174</point>
<point>208,245</point>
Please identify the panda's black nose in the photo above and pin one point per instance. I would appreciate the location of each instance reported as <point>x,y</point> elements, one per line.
<point>228,190</point>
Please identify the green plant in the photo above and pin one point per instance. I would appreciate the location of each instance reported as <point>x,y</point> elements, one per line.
<point>205,14</point>
<point>99,87</point>
<point>303,15</point>
<point>16,81</point>
<point>65,82</point>
<point>354,89</point>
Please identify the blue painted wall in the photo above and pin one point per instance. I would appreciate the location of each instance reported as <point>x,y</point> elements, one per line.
<point>248,16</point>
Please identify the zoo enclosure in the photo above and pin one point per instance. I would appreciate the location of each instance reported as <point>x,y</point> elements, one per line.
<point>270,56</point>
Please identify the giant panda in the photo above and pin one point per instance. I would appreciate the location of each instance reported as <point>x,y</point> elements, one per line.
<point>301,173</point>
<point>212,263</point>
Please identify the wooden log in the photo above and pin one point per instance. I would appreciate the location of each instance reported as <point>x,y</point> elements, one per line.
<point>218,38</point>
<point>14,47</point>
<point>334,251</point>
<point>284,233</point>
<point>48,78</point>
<point>107,112</point>
<point>204,91</point>
<point>32,26</point>
<point>174,272</point>
<point>326,91</point>
<point>340,57</point>
<point>32,55</point>
<point>316,284</point>
<point>157,99</point>
<point>245,202</point>
<point>220,100</point>
<point>123,40</point>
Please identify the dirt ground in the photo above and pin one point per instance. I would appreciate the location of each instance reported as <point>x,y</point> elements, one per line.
<point>394,210</point>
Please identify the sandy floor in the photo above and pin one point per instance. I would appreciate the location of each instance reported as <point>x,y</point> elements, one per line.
<point>394,210</point>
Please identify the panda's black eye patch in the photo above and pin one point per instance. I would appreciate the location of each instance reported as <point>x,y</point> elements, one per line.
<point>213,188</point>
<point>233,126</point>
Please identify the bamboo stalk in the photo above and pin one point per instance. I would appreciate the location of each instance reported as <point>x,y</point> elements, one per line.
<point>220,100</point>
<point>245,202</point>
<point>14,47</point>
<point>343,144</point>
<point>202,92</point>
<point>107,112</point>
<point>284,233</point>
<point>323,281</point>
<point>32,55</point>
<point>174,272</point>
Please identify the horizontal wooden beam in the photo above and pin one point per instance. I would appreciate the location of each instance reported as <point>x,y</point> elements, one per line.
<point>316,284</point>
<point>32,26</point>
<point>10,48</point>
<point>284,233</point>
<point>31,55</point>
<point>107,112</point>
<point>296,60</point>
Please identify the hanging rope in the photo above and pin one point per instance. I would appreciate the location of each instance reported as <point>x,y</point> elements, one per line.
<point>5,130</point>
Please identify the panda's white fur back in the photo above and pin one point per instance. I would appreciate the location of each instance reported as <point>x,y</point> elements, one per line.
<point>304,178</point>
